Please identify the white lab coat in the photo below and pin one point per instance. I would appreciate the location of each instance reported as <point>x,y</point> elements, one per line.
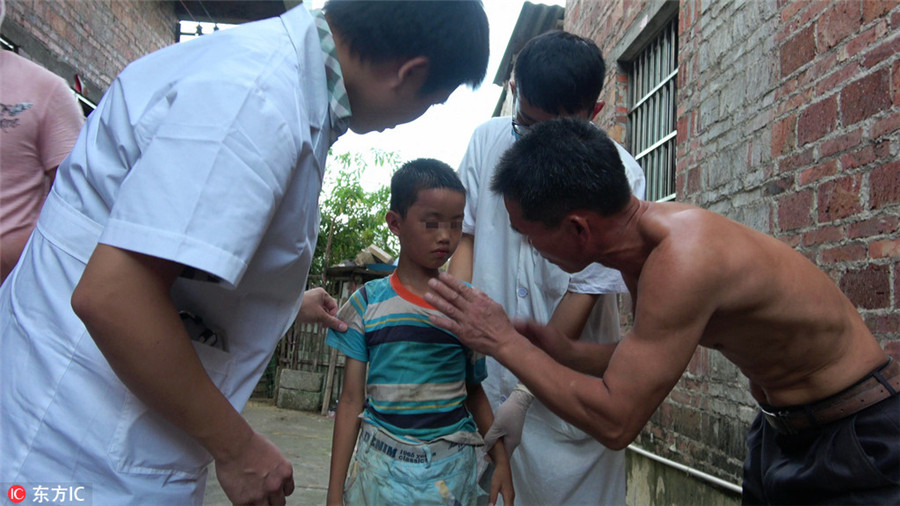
<point>208,153</point>
<point>556,462</point>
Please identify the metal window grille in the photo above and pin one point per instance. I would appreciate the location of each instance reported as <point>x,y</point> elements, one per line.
<point>651,118</point>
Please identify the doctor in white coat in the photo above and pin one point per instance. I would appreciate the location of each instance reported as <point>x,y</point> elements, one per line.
<point>556,74</point>
<point>194,187</point>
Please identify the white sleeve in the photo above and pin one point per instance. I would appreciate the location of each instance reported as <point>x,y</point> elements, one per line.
<point>634,172</point>
<point>469,173</point>
<point>215,161</point>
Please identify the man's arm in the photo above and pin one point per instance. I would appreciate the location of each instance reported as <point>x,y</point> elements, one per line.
<point>461,261</point>
<point>346,427</point>
<point>123,299</point>
<point>643,369</point>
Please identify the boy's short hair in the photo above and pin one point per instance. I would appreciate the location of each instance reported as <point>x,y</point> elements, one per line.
<point>417,175</point>
<point>563,165</point>
<point>452,34</point>
<point>560,72</point>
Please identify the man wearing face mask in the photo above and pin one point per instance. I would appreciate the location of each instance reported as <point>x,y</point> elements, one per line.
<point>556,74</point>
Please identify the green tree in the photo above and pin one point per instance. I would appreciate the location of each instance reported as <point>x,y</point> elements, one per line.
<point>351,217</point>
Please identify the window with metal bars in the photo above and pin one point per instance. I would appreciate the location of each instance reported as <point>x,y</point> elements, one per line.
<point>651,116</point>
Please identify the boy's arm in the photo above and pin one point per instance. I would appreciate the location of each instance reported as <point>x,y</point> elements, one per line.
<point>124,300</point>
<point>461,261</point>
<point>501,482</point>
<point>346,427</point>
<point>572,312</point>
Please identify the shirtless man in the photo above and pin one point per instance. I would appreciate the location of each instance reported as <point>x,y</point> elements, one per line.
<point>824,384</point>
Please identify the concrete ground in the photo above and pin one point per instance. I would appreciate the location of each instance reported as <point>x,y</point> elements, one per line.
<point>304,438</point>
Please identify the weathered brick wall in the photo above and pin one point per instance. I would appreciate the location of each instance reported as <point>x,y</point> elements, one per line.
<point>94,38</point>
<point>788,120</point>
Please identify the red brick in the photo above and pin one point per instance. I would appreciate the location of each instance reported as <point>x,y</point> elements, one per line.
<point>816,120</point>
<point>699,364</point>
<point>840,144</point>
<point>823,63</point>
<point>839,199</point>
<point>843,254</point>
<point>837,23</point>
<point>872,9</point>
<point>798,51</point>
<point>868,287</point>
<point>896,73</point>
<point>865,97</point>
<point>790,9</point>
<point>818,172</point>
<point>792,240</point>
<point>836,79</point>
<point>889,124</point>
<point>873,227</point>
<point>795,210</point>
<point>862,42</point>
<point>897,288</point>
<point>884,185</point>
<point>694,180</point>
<point>885,249</point>
<point>882,53</point>
<point>857,158</point>
<point>823,235</point>
<point>784,136</point>
<point>891,347</point>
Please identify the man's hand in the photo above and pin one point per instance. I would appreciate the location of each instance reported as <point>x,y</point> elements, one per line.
<point>257,475</point>
<point>509,420</point>
<point>548,338</point>
<point>319,307</point>
<point>472,316</point>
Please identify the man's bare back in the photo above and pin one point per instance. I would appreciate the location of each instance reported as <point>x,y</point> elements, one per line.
<point>775,315</point>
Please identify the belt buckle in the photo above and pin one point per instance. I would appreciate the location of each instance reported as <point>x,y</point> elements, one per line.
<point>778,420</point>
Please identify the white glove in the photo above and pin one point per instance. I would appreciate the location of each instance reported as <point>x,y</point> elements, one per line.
<point>509,420</point>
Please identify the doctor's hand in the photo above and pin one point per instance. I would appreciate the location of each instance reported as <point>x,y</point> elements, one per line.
<point>509,420</point>
<point>319,307</point>
<point>472,316</point>
<point>258,474</point>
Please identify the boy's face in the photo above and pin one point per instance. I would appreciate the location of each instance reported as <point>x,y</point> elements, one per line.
<point>432,228</point>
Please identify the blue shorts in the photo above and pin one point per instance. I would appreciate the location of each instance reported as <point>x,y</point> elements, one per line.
<point>386,471</point>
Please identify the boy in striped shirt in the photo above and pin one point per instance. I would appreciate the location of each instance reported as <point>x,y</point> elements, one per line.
<point>412,393</point>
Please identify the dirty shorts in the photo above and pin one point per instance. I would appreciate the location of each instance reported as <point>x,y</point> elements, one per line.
<point>387,471</point>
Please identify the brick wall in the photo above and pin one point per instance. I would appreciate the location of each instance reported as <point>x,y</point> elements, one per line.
<point>788,117</point>
<point>94,38</point>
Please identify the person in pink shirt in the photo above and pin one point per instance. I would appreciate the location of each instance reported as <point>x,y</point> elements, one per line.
<point>39,122</point>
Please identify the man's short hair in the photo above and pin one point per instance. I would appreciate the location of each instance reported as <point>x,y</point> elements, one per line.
<point>417,175</point>
<point>560,72</point>
<point>452,34</point>
<point>563,165</point>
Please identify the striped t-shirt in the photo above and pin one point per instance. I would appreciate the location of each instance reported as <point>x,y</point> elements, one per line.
<point>417,374</point>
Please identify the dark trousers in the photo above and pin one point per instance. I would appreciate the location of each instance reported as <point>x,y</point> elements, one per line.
<point>855,460</point>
